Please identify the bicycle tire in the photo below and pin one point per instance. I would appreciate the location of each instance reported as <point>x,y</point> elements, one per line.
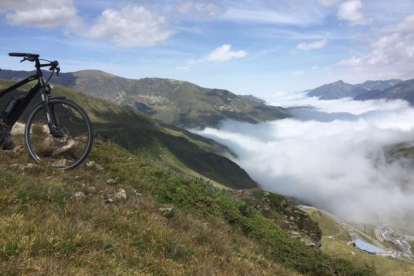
<point>38,108</point>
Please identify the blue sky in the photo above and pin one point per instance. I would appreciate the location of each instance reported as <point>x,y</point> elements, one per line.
<point>249,47</point>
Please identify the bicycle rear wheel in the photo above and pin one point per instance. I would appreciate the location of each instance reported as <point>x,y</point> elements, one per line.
<point>69,145</point>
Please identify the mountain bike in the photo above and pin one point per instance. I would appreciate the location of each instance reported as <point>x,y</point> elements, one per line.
<point>58,132</point>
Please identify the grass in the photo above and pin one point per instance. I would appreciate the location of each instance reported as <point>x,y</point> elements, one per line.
<point>46,230</point>
<point>412,246</point>
<point>330,229</point>
<point>179,150</point>
<point>335,243</point>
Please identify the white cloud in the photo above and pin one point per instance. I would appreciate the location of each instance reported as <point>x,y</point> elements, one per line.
<point>131,27</point>
<point>407,25</point>
<point>327,3</point>
<point>262,16</point>
<point>223,53</point>
<point>332,160</point>
<point>312,45</point>
<point>39,13</point>
<point>292,13</point>
<point>392,52</point>
<point>199,11</point>
<point>351,11</point>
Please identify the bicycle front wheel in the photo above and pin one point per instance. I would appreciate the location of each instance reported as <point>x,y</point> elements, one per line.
<point>70,142</point>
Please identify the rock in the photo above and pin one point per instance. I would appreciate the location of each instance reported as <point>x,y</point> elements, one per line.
<point>107,199</point>
<point>18,129</point>
<point>136,193</point>
<point>120,195</point>
<point>32,166</point>
<point>61,163</point>
<point>22,167</point>
<point>15,166</point>
<point>112,181</point>
<point>295,234</point>
<point>90,164</point>
<point>79,195</point>
<point>19,149</point>
<point>93,164</point>
<point>309,243</point>
<point>167,212</point>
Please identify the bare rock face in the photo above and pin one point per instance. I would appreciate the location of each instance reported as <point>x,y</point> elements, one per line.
<point>283,212</point>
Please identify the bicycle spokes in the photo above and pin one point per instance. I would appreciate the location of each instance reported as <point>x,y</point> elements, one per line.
<point>62,144</point>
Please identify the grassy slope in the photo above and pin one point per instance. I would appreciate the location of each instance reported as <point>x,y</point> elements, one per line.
<point>176,102</point>
<point>178,149</point>
<point>45,230</point>
<point>334,243</point>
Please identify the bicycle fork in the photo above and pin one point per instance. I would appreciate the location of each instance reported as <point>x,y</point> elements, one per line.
<point>51,116</point>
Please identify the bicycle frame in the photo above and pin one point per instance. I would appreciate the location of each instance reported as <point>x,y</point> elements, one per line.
<point>39,86</point>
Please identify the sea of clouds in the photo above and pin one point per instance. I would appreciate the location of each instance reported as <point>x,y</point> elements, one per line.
<point>330,154</point>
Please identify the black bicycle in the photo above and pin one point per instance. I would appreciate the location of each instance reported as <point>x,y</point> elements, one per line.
<point>58,132</point>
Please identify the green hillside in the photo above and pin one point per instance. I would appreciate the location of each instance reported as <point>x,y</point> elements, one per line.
<point>125,216</point>
<point>174,102</point>
<point>168,146</point>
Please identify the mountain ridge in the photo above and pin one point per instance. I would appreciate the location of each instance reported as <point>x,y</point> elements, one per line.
<point>401,91</point>
<point>363,91</point>
<point>176,102</point>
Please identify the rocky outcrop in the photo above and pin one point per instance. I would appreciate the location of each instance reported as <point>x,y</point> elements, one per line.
<point>285,214</point>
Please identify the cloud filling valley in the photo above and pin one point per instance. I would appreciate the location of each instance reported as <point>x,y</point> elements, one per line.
<point>330,154</point>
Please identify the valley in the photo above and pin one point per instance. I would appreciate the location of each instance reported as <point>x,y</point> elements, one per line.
<point>339,236</point>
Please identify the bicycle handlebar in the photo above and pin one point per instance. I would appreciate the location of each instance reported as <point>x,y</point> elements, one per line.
<point>54,65</point>
<point>24,55</point>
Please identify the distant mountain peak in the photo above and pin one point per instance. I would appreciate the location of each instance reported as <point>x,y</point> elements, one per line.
<point>336,90</point>
<point>341,89</point>
<point>92,72</point>
<point>380,85</point>
<point>403,90</point>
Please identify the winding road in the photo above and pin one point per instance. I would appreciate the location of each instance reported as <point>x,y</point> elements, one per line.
<point>383,233</point>
<point>386,233</point>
